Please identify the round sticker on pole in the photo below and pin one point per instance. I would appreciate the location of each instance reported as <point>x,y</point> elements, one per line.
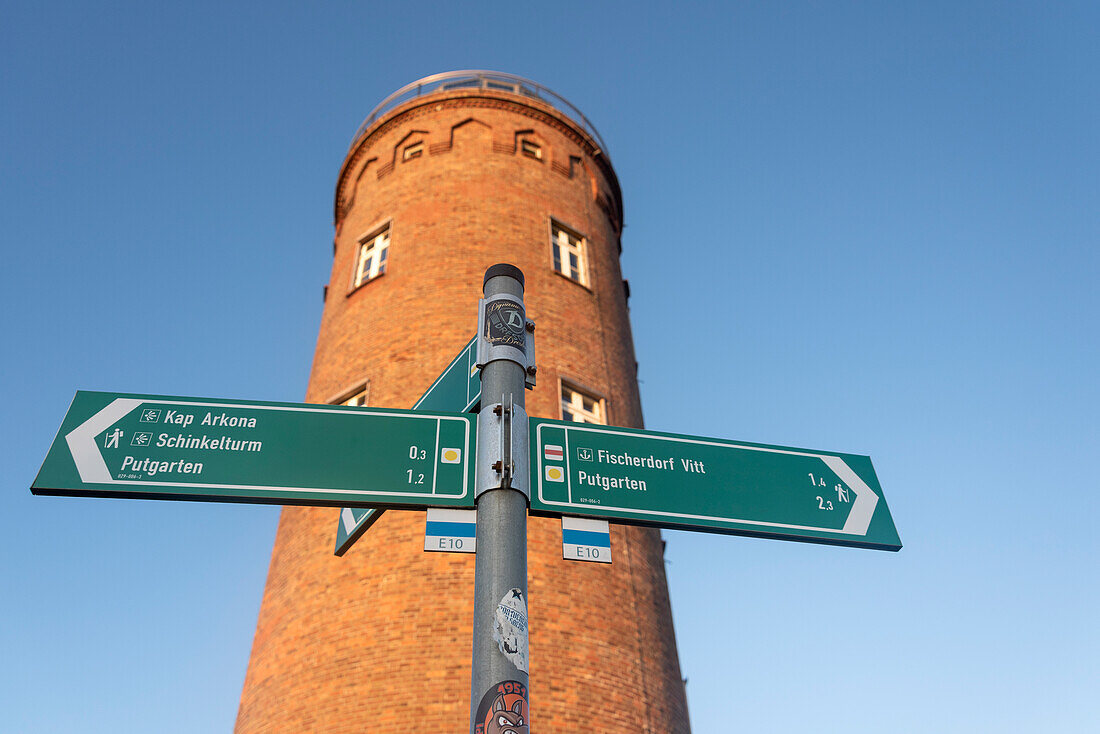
<point>504,708</point>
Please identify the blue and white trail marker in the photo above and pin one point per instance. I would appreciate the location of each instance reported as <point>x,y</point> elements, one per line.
<point>451,531</point>
<point>584,539</point>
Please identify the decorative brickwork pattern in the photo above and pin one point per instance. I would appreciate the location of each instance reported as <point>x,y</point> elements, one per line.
<point>379,640</point>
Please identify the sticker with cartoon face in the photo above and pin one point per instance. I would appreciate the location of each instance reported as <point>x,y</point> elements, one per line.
<point>504,710</point>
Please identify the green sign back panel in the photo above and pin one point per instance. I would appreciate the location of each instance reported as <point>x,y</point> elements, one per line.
<point>690,482</point>
<point>148,446</point>
<point>458,388</point>
<point>353,523</point>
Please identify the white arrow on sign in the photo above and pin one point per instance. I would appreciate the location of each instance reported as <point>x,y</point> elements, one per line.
<point>348,518</point>
<point>82,445</point>
<point>863,509</point>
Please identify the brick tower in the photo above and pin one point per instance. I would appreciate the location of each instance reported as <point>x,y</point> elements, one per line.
<point>448,176</point>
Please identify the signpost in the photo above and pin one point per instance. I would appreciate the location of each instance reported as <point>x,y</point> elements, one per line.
<point>366,459</point>
<point>688,482</point>
<point>500,641</point>
<point>155,447</point>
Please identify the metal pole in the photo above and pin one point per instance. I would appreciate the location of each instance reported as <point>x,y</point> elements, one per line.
<point>499,672</point>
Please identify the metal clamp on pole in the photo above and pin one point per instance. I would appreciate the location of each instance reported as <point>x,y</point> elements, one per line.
<point>529,377</point>
<point>505,332</point>
<point>503,455</point>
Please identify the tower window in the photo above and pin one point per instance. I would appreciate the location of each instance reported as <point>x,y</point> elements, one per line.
<point>413,151</point>
<point>531,148</point>
<point>356,397</point>
<point>581,407</point>
<point>372,256</point>
<point>569,253</point>
<point>356,400</point>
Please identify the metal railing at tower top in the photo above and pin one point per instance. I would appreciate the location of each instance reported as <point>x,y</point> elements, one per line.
<point>480,79</point>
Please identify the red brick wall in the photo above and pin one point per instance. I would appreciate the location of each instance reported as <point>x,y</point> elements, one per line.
<point>379,640</point>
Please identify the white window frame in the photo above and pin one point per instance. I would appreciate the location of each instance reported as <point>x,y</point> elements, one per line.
<point>370,262</point>
<point>574,409</point>
<point>356,397</point>
<point>358,400</point>
<point>530,148</point>
<point>564,244</point>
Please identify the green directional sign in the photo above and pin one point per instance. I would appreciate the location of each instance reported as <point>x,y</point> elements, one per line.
<point>458,387</point>
<point>709,484</point>
<point>147,446</point>
<point>354,522</point>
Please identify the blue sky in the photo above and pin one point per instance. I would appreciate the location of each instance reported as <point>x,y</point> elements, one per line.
<point>865,227</point>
